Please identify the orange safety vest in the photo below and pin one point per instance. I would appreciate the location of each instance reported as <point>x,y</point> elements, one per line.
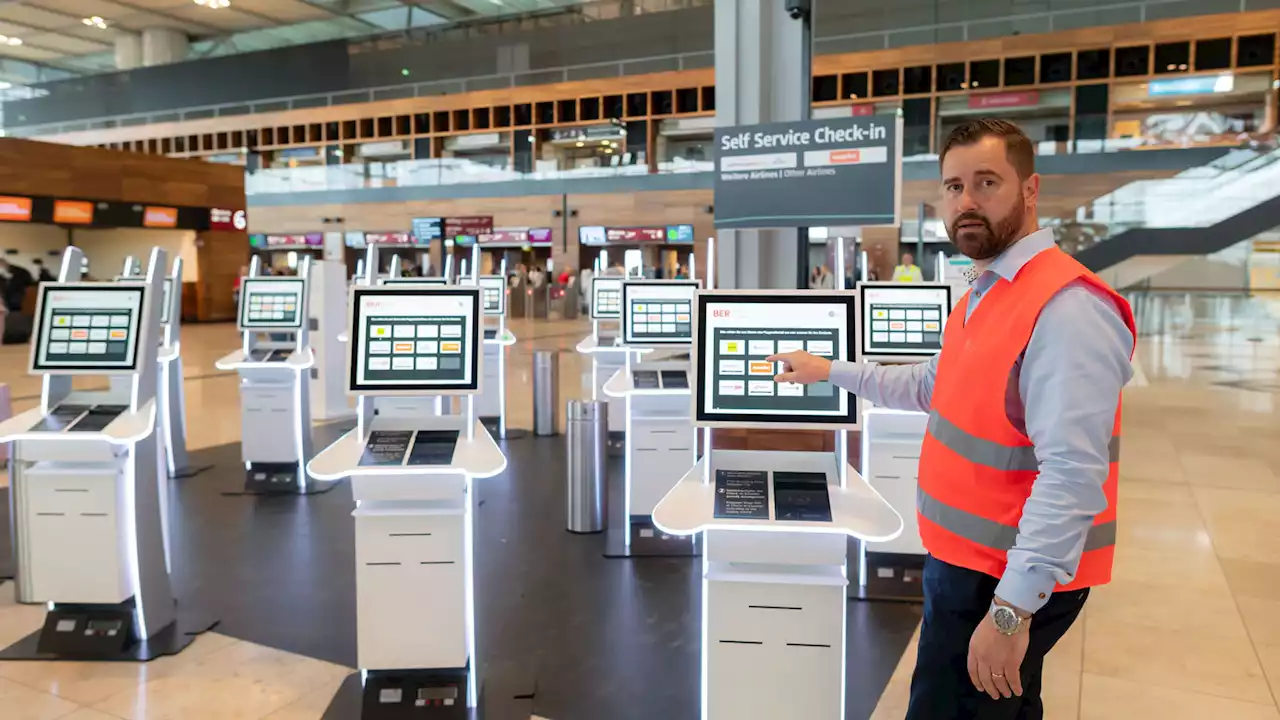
<point>976,468</point>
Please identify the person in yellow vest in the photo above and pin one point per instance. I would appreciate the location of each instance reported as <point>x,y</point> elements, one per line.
<point>1019,469</point>
<point>908,271</point>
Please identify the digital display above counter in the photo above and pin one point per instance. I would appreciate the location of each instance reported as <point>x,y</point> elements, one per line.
<point>671,234</point>
<point>739,331</point>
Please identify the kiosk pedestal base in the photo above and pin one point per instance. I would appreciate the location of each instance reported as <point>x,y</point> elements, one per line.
<point>891,577</point>
<point>403,695</point>
<point>280,479</point>
<point>649,541</point>
<point>84,632</point>
<point>189,471</point>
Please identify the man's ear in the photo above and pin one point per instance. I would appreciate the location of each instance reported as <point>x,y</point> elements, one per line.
<point>1031,190</point>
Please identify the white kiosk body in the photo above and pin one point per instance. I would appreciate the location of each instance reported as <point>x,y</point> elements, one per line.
<point>411,478</point>
<point>775,523</point>
<point>603,345</point>
<point>900,323</point>
<point>274,364</point>
<point>491,406</point>
<point>171,399</point>
<point>85,474</point>
<point>660,442</point>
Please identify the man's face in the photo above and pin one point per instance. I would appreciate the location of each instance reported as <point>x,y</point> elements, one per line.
<point>984,203</point>
<point>908,259</point>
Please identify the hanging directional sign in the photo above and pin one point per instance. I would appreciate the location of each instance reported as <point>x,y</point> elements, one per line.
<point>839,171</point>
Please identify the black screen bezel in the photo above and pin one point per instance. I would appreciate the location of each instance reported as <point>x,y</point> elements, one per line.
<point>864,308</point>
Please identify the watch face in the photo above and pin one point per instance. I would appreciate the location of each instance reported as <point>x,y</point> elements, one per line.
<point>1006,619</point>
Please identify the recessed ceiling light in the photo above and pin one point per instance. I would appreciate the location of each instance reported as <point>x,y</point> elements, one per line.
<point>95,21</point>
<point>10,40</point>
<point>213,4</point>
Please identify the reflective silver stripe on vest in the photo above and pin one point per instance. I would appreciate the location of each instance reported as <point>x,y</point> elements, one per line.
<point>988,453</point>
<point>991,534</point>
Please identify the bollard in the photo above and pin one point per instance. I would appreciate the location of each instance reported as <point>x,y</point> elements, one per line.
<point>546,392</point>
<point>585,439</point>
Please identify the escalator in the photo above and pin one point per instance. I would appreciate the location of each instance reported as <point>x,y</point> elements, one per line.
<point>1150,226</point>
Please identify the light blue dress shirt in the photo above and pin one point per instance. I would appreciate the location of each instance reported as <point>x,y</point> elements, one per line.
<point>1063,393</point>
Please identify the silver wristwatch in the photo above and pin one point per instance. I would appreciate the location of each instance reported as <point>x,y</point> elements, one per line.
<point>1005,618</point>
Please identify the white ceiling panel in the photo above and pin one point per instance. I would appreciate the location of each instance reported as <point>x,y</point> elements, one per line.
<point>67,44</point>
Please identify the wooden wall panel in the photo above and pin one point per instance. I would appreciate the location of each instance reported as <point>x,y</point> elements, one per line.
<point>220,255</point>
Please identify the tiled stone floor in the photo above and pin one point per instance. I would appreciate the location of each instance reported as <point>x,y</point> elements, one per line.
<point>1189,629</point>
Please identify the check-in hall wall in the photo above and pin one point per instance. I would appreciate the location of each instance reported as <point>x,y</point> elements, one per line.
<point>663,207</point>
<point>22,243</point>
<point>106,249</point>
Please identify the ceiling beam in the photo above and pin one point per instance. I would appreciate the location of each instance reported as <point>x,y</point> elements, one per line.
<point>344,13</point>
<point>211,30</point>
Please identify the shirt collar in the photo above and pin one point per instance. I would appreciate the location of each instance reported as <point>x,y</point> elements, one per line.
<point>1008,263</point>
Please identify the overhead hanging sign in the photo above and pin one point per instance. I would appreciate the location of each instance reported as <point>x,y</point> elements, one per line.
<point>476,225</point>
<point>224,219</point>
<point>635,234</point>
<point>428,229</point>
<point>838,171</point>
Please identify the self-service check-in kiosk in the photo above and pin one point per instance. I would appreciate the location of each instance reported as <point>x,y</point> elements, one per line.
<point>412,478</point>
<point>275,397</point>
<point>604,347</point>
<point>171,400</point>
<point>492,403</point>
<point>660,443</point>
<point>85,475</point>
<point>899,323</point>
<point>774,524</point>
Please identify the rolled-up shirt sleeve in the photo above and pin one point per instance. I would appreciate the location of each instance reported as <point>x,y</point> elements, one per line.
<point>900,387</point>
<point>1074,368</point>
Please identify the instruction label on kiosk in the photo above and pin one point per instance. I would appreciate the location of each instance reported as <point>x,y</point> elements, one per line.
<point>742,495</point>
<point>386,447</point>
<point>839,171</point>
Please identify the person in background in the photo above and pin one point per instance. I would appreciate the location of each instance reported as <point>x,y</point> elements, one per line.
<point>565,274</point>
<point>43,274</point>
<point>682,272</point>
<point>908,271</point>
<point>536,276</point>
<point>19,280</point>
<point>1019,474</point>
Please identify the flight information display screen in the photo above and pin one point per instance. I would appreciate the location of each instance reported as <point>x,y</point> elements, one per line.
<point>738,331</point>
<point>87,327</point>
<point>903,319</point>
<point>606,298</point>
<point>271,303</point>
<point>656,312</point>
<point>415,339</point>
<point>493,295</point>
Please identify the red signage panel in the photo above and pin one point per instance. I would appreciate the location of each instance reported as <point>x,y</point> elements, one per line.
<point>635,234</point>
<point>1029,98</point>
<point>476,225</point>
<point>224,219</point>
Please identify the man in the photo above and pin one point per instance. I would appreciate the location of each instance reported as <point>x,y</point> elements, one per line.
<point>908,271</point>
<point>1018,472</point>
<point>16,290</point>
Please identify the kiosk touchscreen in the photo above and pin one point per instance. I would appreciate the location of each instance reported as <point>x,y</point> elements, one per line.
<point>606,298</point>
<point>92,328</point>
<point>410,342</point>
<point>903,322</point>
<point>493,290</point>
<point>658,312</point>
<point>271,303</point>
<point>736,335</point>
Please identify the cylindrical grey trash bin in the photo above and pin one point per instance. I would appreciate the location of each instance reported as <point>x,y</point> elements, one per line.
<point>546,392</point>
<point>586,438</point>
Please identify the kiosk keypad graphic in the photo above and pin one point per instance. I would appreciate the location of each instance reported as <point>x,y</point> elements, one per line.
<point>896,327</point>
<point>89,336</point>
<point>423,348</point>
<point>277,308</point>
<point>607,300</point>
<point>743,379</point>
<point>654,320</point>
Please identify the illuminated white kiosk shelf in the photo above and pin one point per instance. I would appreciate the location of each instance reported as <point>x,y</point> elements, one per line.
<point>411,476</point>
<point>274,364</point>
<point>892,439</point>
<point>87,484</point>
<point>659,442</point>
<point>774,524</point>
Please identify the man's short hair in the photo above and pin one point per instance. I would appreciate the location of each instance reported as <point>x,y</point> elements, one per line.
<point>1021,153</point>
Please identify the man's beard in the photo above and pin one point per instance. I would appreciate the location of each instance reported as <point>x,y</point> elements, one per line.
<point>987,242</point>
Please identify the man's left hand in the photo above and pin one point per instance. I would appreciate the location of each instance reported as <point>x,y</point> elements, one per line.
<point>995,659</point>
